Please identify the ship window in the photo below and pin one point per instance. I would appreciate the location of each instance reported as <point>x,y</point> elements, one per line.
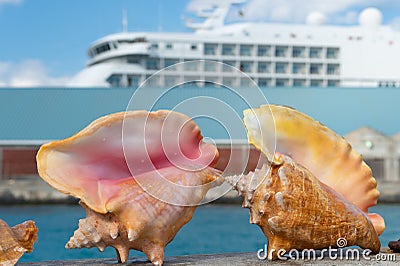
<point>281,82</point>
<point>133,80</point>
<point>315,52</point>
<point>316,83</point>
<point>227,81</point>
<point>263,67</point>
<point>281,51</point>
<point>246,66</point>
<point>210,49</point>
<point>299,82</point>
<point>170,62</point>
<point>168,46</point>
<point>246,50</point>
<point>211,80</point>
<point>133,60</point>
<point>298,52</point>
<point>281,68</point>
<point>210,66</point>
<point>332,69</point>
<point>315,69</point>
<point>152,81</point>
<point>228,49</point>
<point>299,68</point>
<point>191,65</point>
<point>102,48</point>
<point>170,81</point>
<point>332,53</point>
<point>152,64</point>
<point>115,80</point>
<point>245,82</point>
<point>333,83</point>
<point>264,82</point>
<point>154,46</point>
<point>227,66</point>
<point>263,50</point>
<point>193,47</point>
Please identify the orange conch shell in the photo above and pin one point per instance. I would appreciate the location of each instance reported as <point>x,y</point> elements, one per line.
<point>297,211</point>
<point>328,156</point>
<point>15,241</point>
<point>138,186</point>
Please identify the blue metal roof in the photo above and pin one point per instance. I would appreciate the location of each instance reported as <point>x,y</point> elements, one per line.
<point>56,113</point>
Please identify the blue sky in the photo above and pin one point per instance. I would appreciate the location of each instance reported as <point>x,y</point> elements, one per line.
<point>43,42</point>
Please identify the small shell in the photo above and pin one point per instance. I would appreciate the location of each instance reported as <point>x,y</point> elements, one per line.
<point>297,211</point>
<point>15,241</point>
<point>139,176</point>
<point>328,156</point>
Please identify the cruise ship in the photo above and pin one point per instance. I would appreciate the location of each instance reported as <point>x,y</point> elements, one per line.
<point>271,54</point>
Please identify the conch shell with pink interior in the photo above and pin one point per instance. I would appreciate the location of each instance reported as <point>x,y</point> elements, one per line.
<point>15,241</point>
<point>139,176</point>
<point>316,190</point>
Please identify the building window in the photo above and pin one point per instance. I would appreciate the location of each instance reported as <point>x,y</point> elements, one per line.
<point>299,82</point>
<point>315,52</point>
<point>281,51</point>
<point>281,68</point>
<point>210,49</point>
<point>263,50</point>
<point>246,50</point>
<point>263,67</point>
<point>246,66</point>
<point>377,167</point>
<point>332,53</point>
<point>228,49</point>
<point>298,52</point>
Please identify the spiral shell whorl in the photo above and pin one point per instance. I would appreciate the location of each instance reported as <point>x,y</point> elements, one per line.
<point>16,240</point>
<point>296,211</point>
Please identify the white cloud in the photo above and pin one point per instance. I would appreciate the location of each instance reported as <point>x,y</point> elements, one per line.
<point>29,73</point>
<point>337,11</point>
<point>3,2</point>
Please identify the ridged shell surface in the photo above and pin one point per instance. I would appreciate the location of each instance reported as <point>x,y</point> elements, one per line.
<point>327,155</point>
<point>139,176</point>
<point>297,211</point>
<point>15,241</point>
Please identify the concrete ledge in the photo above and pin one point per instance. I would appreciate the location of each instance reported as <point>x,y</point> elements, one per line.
<point>223,259</point>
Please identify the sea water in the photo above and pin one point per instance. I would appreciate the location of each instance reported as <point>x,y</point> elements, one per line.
<point>213,229</point>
